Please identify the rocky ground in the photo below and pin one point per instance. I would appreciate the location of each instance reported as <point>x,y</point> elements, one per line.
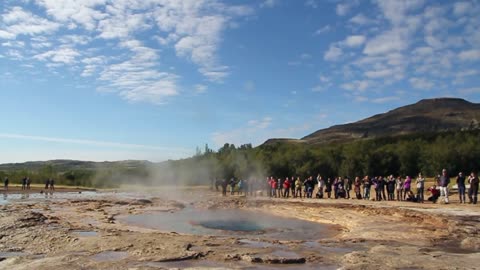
<point>88,232</point>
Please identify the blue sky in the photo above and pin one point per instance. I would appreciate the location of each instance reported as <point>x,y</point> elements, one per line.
<point>153,79</point>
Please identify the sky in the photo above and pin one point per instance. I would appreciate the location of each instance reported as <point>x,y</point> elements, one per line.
<point>153,79</point>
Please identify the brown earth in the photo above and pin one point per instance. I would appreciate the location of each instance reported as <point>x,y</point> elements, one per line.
<point>40,234</point>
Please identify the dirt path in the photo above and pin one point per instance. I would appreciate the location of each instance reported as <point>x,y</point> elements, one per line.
<point>89,233</point>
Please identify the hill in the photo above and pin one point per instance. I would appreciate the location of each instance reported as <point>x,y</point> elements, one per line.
<point>425,116</point>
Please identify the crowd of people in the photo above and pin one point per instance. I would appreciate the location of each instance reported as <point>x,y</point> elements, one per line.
<point>49,184</point>
<point>389,188</point>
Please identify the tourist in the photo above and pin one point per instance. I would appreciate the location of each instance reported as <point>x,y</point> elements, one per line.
<point>473,190</point>
<point>407,185</point>
<point>240,186</point>
<point>298,188</point>
<point>443,182</point>
<point>280,187</point>
<point>5,183</point>
<point>340,189</point>
<point>367,183</point>
<point>268,184</point>
<point>292,186</point>
<point>357,188</point>
<point>24,183</point>
<point>52,184</point>
<point>233,183</point>
<point>336,182</point>
<point>461,187</point>
<point>348,186</point>
<point>399,186</point>
<point>28,182</point>
<point>321,186</point>
<point>286,188</point>
<point>47,183</point>
<point>309,186</point>
<point>435,193</point>
<point>328,187</point>
<point>391,188</point>
<point>224,187</point>
<point>420,187</point>
<point>273,184</point>
<point>384,184</point>
<point>378,188</point>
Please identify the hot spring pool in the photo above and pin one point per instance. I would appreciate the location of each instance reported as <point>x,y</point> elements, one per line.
<point>231,222</point>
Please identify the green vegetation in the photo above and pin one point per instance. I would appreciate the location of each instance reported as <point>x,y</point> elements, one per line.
<point>405,155</point>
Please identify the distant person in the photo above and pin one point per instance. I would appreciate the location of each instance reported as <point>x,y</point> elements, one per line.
<point>358,188</point>
<point>473,190</point>
<point>28,183</point>
<point>52,184</point>
<point>443,182</point>
<point>286,188</point>
<point>232,186</point>
<point>367,183</point>
<point>461,187</point>
<point>399,188</point>
<point>5,183</point>
<point>224,187</point>
<point>348,186</point>
<point>407,186</point>
<point>379,188</point>
<point>309,185</point>
<point>298,188</point>
<point>328,187</point>
<point>435,194</point>
<point>24,183</point>
<point>280,187</point>
<point>47,183</point>
<point>420,188</point>
<point>336,185</point>
<point>292,186</point>
<point>274,183</point>
<point>321,186</point>
<point>391,188</point>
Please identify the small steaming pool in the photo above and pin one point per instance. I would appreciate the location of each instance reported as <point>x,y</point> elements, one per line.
<point>231,222</point>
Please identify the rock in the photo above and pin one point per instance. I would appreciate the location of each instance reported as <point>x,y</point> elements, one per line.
<point>273,259</point>
<point>472,243</point>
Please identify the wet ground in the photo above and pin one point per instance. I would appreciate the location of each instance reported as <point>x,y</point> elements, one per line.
<point>197,228</point>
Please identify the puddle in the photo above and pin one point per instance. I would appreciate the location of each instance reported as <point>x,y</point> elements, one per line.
<point>206,264</point>
<point>255,244</point>
<point>12,254</point>
<point>323,247</point>
<point>285,254</point>
<point>108,256</point>
<point>85,233</point>
<point>231,222</point>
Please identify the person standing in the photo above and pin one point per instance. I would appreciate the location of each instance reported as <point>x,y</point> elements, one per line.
<point>391,188</point>
<point>461,187</point>
<point>52,184</point>
<point>443,182</point>
<point>328,187</point>
<point>357,188</point>
<point>47,183</point>
<point>420,188</point>
<point>367,183</point>
<point>321,186</point>
<point>24,183</point>
<point>28,183</point>
<point>298,188</point>
<point>286,188</point>
<point>399,187</point>
<point>348,186</point>
<point>407,186</point>
<point>5,183</point>
<point>473,190</point>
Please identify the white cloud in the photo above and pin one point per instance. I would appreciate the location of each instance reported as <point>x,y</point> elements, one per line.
<point>342,9</point>
<point>385,99</point>
<point>360,19</point>
<point>311,3</point>
<point>389,41</point>
<point>421,83</point>
<point>380,73</point>
<point>269,3</point>
<point>358,85</point>
<point>21,22</point>
<point>469,91</point>
<point>395,11</point>
<point>460,8</point>
<point>6,35</point>
<point>333,53</point>
<point>200,88</point>
<point>469,55</point>
<point>355,40</point>
<point>323,29</point>
<point>64,55</point>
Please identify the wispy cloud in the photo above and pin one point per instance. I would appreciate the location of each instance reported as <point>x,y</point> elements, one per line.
<point>88,142</point>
